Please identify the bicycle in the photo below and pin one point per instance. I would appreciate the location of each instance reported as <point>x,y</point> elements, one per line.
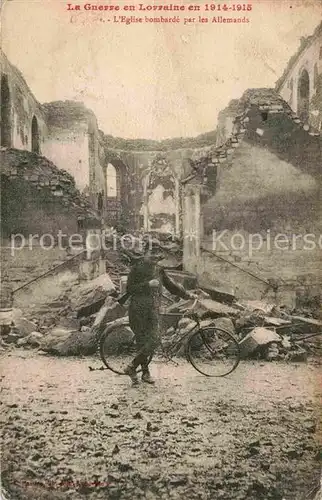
<point>212,351</point>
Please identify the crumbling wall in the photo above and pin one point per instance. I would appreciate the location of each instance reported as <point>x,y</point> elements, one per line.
<point>273,197</point>
<point>69,150</point>
<point>38,198</point>
<point>64,131</point>
<point>316,103</point>
<point>22,119</point>
<point>225,122</point>
<point>25,210</point>
<point>259,191</point>
<point>161,198</point>
<point>268,183</point>
<point>24,264</point>
<point>73,144</point>
<point>306,62</point>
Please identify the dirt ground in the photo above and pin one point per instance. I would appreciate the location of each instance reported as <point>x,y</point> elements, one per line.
<point>72,433</point>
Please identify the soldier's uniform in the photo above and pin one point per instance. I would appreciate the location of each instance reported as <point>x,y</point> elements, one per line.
<point>144,310</point>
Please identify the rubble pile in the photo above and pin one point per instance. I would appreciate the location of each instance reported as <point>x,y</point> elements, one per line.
<point>264,331</point>
<point>273,333</point>
<point>69,325</point>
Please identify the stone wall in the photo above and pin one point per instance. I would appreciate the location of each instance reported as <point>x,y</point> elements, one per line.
<point>301,81</point>
<point>25,264</point>
<point>151,194</point>
<point>295,273</point>
<point>65,132</point>
<point>259,191</point>
<point>38,198</point>
<point>148,181</point>
<point>72,144</point>
<point>22,119</point>
<point>25,210</point>
<point>268,183</point>
<point>225,122</point>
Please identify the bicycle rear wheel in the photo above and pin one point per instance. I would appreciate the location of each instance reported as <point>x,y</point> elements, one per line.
<point>117,347</point>
<point>212,351</point>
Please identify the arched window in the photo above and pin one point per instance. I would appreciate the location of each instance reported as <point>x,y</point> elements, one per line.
<point>5,113</point>
<point>111,181</point>
<point>35,136</point>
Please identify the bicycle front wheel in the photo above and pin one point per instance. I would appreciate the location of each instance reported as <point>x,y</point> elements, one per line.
<point>212,351</point>
<point>117,347</point>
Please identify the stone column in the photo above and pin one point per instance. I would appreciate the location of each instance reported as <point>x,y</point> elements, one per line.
<point>191,227</point>
<point>177,206</point>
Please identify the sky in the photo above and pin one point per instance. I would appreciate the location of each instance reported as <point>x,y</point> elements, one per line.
<point>152,81</point>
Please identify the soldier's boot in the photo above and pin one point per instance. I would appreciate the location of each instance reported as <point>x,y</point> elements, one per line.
<point>131,372</point>
<point>146,376</point>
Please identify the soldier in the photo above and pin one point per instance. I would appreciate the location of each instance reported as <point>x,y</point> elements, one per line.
<point>144,286</point>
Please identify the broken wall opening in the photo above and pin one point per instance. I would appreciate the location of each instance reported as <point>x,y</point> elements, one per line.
<point>116,182</point>
<point>161,205</point>
<point>111,181</point>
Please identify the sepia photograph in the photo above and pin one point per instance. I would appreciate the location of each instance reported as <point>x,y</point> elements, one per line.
<point>161,250</point>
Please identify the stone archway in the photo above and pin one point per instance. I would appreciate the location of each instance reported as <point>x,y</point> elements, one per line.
<point>117,193</point>
<point>5,113</point>
<point>161,206</point>
<point>35,146</point>
<point>303,96</point>
<point>111,181</point>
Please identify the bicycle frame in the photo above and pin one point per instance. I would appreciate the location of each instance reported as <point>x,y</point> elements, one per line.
<point>173,348</point>
<point>184,339</point>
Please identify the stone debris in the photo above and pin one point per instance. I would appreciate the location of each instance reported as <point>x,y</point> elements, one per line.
<point>263,330</point>
<point>24,326</point>
<point>54,337</point>
<point>72,344</point>
<point>258,305</point>
<point>68,326</point>
<point>272,352</point>
<point>276,321</point>
<point>256,339</point>
<point>34,339</point>
<point>9,315</point>
<point>218,294</point>
<point>12,337</point>
<point>110,311</point>
<point>90,297</point>
<point>217,309</point>
<point>300,355</point>
<point>307,324</point>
